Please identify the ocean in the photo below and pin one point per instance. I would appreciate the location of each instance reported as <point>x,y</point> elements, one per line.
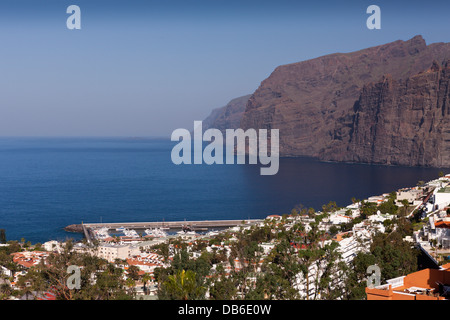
<point>49,183</point>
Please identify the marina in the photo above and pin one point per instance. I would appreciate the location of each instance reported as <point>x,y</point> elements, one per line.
<point>135,230</point>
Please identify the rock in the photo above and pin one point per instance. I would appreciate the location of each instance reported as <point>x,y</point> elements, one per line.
<point>76,228</point>
<point>401,122</point>
<point>227,117</point>
<point>314,103</point>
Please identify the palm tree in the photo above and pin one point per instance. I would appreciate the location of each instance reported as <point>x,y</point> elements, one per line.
<point>5,291</point>
<point>145,279</point>
<point>405,204</point>
<point>183,286</point>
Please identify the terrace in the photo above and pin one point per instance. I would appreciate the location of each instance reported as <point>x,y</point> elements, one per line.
<point>427,284</point>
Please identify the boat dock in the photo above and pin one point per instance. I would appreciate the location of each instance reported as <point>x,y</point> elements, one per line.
<point>203,225</point>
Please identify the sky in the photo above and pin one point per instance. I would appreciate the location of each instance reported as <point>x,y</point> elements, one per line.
<point>142,68</point>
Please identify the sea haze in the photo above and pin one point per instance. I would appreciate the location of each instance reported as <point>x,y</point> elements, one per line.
<point>49,183</point>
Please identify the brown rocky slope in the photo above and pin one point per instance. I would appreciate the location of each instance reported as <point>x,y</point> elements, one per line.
<point>228,116</point>
<point>321,105</point>
<point>405,122</point>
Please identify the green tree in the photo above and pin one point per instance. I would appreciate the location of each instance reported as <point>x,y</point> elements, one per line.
<point>355,276</point>
<point>280,272</point>
<point>388,207</point>
<point>404,211</point>
<point>183,286</point>
<point>133,273</point>
<point>368,209</point>
<point>5,291</point>
<point>99,279</point>
<point>163,250</point>
<point>146,278</point>
<point>394,256</point>
<point>329,267</point>
<point>330,207</point>
<point>222,287</point>
<point>2,236</point>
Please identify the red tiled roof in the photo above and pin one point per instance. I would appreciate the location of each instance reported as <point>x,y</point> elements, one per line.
<point>442,224</point>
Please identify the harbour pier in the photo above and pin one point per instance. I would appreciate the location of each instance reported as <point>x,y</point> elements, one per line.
<point>203,225</point>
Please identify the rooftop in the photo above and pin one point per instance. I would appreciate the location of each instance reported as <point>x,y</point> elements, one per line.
<point>427,284</point>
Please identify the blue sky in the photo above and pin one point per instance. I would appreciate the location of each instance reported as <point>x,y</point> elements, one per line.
<point>146,68</point>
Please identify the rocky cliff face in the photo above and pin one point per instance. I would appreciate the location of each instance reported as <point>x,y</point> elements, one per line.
<point>404,122</point>
<point>324,107</point>
<point>227,117</point>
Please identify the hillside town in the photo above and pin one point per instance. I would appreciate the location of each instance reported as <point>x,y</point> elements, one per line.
<point>304,254</point>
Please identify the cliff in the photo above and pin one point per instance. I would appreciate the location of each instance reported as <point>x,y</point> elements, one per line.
<point>228,116</point>
<point>321,105</point>
<point>403,122</point>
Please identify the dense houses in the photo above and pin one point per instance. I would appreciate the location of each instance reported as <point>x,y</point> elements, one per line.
<point>432,199</point>
<point>29,259</point>
<point>434,236</point>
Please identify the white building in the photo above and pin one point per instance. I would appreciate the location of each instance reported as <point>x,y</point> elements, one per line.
<point>339,219</point>
<point>5,271</point>
<point>52,246</point>
<point>111,252</point>
<point>440,198</point>
<point>380,217</point>
<point>442,231</point>
<point>411,195</point>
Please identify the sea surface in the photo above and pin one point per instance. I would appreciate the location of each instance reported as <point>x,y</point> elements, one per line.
<point>49,183</point>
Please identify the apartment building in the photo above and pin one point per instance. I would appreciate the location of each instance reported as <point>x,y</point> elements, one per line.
<point>111,252</point>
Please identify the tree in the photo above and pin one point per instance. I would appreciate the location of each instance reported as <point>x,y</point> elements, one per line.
<point>368,209</point>
<point>388,207</point>
<point>32,284</point>
<point>248,252</point>
<point>306,258</point>
<point>404,211</point>
<point>333,230</point>
<point>280,272</point>
<point>390,253</point>
<point>393,195</point>
<point>330,207</point>
<point>183,286</point>
<point>146,278</point>
<point>131,284</point>
<point>5,290</point>
<point>2,236</point>
<point>99,279</point>
<point>355,276</point>
<point>163,250</point>
<point>328,264</point>
<point>222,287</point>
<point>394,256</point>
<point>109,285</point>
<point>133,272</point>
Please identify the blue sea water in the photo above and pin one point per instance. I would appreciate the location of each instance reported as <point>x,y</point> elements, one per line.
<point>49,183</point>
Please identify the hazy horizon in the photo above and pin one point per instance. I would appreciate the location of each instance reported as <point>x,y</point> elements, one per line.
<point>145,68</point>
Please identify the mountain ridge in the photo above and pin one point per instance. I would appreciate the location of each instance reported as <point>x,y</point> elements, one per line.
<point>314,103</point>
